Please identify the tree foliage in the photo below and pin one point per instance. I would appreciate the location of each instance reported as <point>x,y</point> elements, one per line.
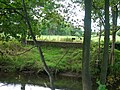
<point>42,15</point>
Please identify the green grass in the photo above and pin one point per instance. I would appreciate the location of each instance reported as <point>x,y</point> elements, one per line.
<point>95,38</point>
<point>58,38</point>
<point>57,58</point>
<point>60,59</point>
<point>69,38</point>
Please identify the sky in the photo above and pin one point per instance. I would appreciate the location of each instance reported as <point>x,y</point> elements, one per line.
<point>73,11</point>
<point>76,12</point>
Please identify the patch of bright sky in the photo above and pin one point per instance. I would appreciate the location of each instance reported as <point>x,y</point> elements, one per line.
<point>72,12</point>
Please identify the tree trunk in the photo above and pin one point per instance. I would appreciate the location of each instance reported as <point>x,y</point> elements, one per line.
<point>99,41</point>
<point>86,78</point>
<point>39,48</point>
<point>23,39</point>
<point>114,20</point>
<point>104,65</point>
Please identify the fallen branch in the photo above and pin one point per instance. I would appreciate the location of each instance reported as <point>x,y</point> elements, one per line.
<point>24,51</point>
<point>9,53</point>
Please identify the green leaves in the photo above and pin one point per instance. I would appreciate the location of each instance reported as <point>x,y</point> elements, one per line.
<point>42,14</point>
<point>101,87</point>
<point>12,16</point>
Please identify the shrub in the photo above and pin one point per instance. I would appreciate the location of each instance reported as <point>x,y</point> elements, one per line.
<point>101,87</point>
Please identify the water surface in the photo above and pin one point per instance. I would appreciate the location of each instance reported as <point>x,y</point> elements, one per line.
<point>11,81</point>
<point>4,86</point>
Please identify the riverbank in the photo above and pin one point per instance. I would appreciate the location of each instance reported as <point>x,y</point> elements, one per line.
<point>17,58</point>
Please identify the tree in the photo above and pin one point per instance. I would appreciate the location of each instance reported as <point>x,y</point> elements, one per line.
<point>53,24</point>
<point>12,19</point>
<point>11,22</point>
<point>27,19</point>
<point>39,47</point>
<point>86,79</point>
<point>104,65</point>
<point>114,30</point>
<point>98,13</point>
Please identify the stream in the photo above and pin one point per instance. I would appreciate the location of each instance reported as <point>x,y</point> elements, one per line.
<point>12,81</point>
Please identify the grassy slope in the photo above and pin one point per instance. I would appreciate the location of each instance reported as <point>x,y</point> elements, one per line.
<point>61,59</point>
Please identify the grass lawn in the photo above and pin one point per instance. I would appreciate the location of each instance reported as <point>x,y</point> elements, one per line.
<point>95,38</point>
<point>59,38</point>
<point>69,38</point>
